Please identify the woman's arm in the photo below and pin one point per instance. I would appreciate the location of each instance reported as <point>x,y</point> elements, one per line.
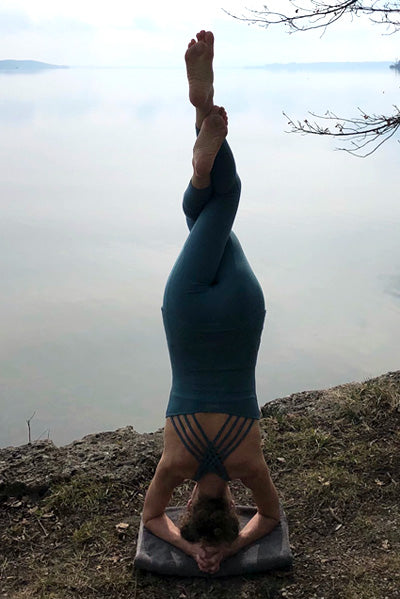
<point>157,497</point>
<point>257,527</point>
<point>154,517</point>
<point>163,527</point>
<point>267,501</point>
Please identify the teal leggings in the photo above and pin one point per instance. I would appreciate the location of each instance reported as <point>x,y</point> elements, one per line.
<point>213,307</point>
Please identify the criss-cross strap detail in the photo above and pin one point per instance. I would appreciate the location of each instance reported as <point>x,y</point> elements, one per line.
<point>211,454</point>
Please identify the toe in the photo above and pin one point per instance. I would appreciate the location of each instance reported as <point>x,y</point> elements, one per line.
<point>209,37</point>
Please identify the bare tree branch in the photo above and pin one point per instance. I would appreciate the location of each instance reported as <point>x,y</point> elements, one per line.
<point>318,14</point>
<point>366,132</point>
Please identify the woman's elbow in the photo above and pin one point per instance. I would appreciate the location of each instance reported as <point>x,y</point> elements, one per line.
<point>273,517</point>
<point>149,519</point>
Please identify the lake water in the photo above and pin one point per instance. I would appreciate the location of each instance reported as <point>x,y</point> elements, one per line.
<point>93,163</point>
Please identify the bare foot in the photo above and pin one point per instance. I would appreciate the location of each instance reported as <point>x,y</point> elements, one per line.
<point>199,57</point>
<point>212,133</point>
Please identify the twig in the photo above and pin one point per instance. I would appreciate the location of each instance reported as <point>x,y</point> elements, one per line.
<point>29,427</point>
<point>48,433</point>
<point>43,528</point>
<point>392,479</point>
<point>334,516</point>
<point>4,564</point>
<point>98,553</point>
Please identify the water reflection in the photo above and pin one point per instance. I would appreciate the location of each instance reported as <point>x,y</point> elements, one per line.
<point>16,111</point>
<point>393,286</point>
<point>92,168</point>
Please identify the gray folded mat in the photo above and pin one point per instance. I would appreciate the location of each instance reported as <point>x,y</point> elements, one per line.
<point>268,553</point>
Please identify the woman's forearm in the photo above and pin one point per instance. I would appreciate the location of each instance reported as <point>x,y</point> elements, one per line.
<point>165,529</point>
<point>257,527</point>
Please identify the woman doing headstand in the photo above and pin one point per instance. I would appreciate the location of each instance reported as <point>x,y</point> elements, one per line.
<point>213,312</point>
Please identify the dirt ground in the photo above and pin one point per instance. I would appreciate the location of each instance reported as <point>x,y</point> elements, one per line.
<point>69,517</point>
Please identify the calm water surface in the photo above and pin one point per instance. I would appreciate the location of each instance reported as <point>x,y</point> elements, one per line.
<point>93,164</point>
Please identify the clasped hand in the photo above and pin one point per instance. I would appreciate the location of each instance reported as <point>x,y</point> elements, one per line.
<point>209,558</point>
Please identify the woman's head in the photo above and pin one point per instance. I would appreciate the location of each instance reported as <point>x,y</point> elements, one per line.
<point>211,520</point>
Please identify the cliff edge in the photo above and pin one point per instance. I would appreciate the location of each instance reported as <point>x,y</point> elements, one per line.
<point>69,515</point>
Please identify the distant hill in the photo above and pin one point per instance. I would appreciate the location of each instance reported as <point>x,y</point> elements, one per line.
<point>27,65</point>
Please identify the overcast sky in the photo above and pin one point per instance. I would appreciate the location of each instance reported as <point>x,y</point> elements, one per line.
<point>153,33</point>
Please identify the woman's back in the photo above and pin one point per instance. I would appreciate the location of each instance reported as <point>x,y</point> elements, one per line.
<point>245,457</point>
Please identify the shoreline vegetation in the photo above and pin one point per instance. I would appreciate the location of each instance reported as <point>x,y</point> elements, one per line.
<point>69,516</point>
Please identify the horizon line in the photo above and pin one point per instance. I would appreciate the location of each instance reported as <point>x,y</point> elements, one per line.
<point>248,66</point>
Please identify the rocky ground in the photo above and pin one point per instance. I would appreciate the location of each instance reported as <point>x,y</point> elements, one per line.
<point>69,515</point>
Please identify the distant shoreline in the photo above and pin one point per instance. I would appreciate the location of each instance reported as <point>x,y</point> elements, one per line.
<point>324,65</point>
<point>34,65</point>
<point>269,66</point>
<point>27,65</point>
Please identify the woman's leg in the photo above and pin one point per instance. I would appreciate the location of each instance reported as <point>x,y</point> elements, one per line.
<point>223,176</point>
<point>213,208</point>
<point>211,199</point>
<point>198,57</point>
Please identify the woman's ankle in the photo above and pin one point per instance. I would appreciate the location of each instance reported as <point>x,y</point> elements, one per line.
<point>201,114</point>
